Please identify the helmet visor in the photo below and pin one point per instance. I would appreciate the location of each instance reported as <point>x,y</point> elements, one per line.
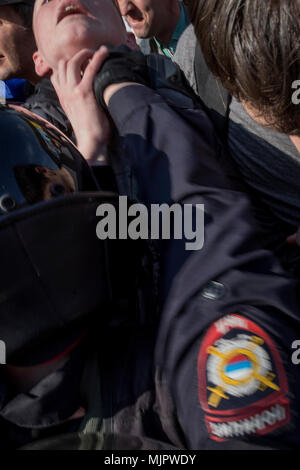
<point>37,162</point>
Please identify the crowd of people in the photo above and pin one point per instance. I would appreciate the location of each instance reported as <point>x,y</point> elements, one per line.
<point>143,344</point>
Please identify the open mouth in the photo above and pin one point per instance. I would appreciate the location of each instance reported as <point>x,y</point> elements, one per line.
<point>69,10</point>
<point>134,16</point>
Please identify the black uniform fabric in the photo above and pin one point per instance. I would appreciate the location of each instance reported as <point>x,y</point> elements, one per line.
<point>119,388</point>
<point>44,410</point>
<point>42,100</point>
<point>155,71</point>
<point>174,156</point>
<point>195,383</point>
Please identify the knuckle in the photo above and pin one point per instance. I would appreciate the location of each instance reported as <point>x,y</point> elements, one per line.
<point>79,92</point>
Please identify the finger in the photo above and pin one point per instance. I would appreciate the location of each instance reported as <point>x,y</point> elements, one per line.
<point>292,240</point>
<point>76,65</point>
<point>94,66</point>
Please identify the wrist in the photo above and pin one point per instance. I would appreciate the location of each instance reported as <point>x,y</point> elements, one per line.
<point>94,154</point>
<point>123,66</point>
<point>93,149</point>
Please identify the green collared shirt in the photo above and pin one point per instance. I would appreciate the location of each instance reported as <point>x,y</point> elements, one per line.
<point>168,49</point>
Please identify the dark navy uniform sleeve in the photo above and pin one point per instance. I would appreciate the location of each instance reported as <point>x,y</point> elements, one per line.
<point>230,314</point>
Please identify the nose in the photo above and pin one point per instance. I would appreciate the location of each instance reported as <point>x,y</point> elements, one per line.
<point>123,6</point>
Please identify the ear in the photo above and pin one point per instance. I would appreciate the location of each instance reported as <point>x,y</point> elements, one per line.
<point>41,67</point>
<point>296,141</point>
<point>131,42</point>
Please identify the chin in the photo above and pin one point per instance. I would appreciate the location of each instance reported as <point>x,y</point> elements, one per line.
<point>81,38</point>
<point>142,33</point>
<point>6,73</point>
<point>79,45</point>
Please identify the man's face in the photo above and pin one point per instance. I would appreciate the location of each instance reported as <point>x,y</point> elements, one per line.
<point>64,27</point>
<point>16,46</point>
<point>144,16</point>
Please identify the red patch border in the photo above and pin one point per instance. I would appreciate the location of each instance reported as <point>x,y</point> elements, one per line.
<point>276,397</point>
<point>269,428</point>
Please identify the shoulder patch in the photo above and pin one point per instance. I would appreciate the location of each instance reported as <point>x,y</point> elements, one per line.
<point>241,380</point>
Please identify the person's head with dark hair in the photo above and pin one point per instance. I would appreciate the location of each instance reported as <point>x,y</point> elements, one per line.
<point>253,47</point>
<point>17,43</point>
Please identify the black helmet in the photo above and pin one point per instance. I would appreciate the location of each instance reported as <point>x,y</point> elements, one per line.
<point>37,161</point>
<point>53,268</point>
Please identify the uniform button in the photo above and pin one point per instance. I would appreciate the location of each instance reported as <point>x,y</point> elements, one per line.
<point>213,290</point>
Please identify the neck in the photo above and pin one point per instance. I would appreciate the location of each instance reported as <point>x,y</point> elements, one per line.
<point>254,114</point>
<point>165,35</point>
<point>296,141</point>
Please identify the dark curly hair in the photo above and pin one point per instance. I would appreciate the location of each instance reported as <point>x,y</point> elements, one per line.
<point>253,47</point>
